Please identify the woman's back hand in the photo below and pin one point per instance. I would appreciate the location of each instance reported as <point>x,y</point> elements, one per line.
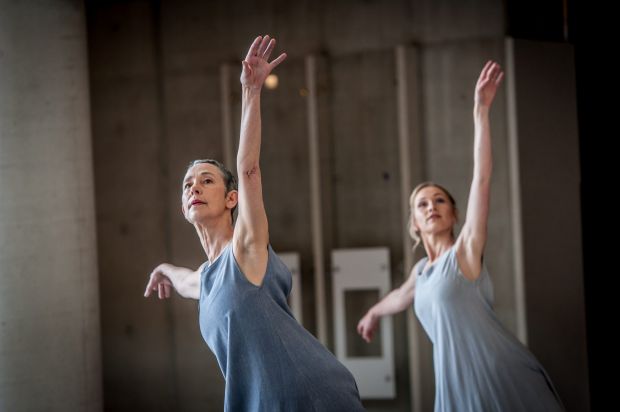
<point>490,78</point>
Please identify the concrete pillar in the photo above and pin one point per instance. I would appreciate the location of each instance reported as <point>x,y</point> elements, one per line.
<point>546,152</point>
<point>49,305</point>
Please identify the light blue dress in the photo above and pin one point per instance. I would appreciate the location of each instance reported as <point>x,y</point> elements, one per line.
<point>270,362</point>
<point>479,365</point>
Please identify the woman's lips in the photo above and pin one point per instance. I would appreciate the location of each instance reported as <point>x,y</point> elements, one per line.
<point>196,202</point>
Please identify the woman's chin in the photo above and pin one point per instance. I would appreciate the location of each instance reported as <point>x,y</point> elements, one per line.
<point>195,217</point>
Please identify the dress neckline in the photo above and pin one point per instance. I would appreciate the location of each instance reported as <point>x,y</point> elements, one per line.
<point>209,263</point>
<point>424,270</point>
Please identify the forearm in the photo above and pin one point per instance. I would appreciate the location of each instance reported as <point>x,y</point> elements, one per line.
<point>483,161</point>
<point>250,136</point>
<point>183,280</point>
<point>394,302</point>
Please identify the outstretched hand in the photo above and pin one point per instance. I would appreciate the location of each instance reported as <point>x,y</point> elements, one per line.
<point>256,67</point>
<point>367,326</point>
<point>488,82</point>
<point>158,282</point>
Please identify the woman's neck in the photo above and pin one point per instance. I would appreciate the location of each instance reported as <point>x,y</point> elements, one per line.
<point>214,237</point>
<point>436,245</point>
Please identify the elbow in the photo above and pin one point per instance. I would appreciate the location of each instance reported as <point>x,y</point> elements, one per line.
<point>482,178</point>
<point>248,168</point>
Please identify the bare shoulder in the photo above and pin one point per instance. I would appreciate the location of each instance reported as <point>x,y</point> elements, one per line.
<point>411,279</point>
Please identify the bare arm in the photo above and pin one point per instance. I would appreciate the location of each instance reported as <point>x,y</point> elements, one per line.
<point>185,281</point>
<point>251,235</point>
<point>396,301</point>
<point>471,242</point>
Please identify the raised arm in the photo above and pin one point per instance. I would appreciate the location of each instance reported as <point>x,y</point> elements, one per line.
<point>471,242</point>
<point>251,235</point>
<point>185,281</point>
<point>396,301</point>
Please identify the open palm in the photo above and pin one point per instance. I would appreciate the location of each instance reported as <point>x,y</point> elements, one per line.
<point>256,66</point>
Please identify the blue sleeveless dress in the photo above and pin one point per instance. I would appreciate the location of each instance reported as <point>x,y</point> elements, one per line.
<point>479,365</point>
<point>269,361</point>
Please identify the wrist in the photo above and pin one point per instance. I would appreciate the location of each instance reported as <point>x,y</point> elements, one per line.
<point>164,268</point>
<point>250,91</point>
<point>481,110</point>
<point>372,313</point>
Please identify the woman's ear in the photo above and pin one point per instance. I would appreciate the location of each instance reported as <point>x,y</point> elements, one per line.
<point>232,198</point>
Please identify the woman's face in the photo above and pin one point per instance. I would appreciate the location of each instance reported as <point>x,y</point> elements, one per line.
<point>432,211</point>
<point>204,193</point>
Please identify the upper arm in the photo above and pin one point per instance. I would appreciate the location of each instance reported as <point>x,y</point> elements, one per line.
<point>251,235</point>
<point>407,289</point>
<point>251,228</point>
<point>472,239</point>
<point>469,258</point>
<point>475,226</point>
<point>191,287</point>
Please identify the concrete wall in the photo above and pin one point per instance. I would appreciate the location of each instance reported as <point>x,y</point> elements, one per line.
<point>49,300</point>
<point>139,218</point>
<point>546,113</point>
<point>157,105</point>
